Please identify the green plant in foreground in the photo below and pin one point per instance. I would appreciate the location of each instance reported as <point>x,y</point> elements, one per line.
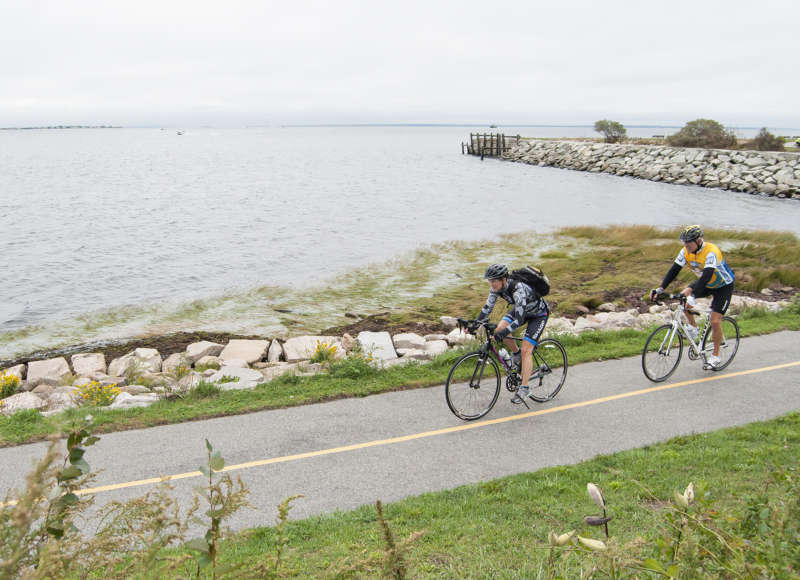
<point>692,540</point>
<point>224,498</point>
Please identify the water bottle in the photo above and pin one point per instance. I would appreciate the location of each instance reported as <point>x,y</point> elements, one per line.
<point>505,356</point>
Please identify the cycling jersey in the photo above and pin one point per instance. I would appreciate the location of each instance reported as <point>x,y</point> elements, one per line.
<point>708,256</point>
<point>527,303</point>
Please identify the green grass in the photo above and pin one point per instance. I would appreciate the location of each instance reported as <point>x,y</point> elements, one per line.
<point>346,379</point>
<point>499,528</point>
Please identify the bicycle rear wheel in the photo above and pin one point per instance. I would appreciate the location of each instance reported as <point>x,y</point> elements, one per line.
<point>730,342</point>
<point>473,386</point>
<point>549,370</point>
<point>662,353</point>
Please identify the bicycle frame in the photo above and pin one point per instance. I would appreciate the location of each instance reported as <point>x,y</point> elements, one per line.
<point>488,347</point>
<point>680,323</point>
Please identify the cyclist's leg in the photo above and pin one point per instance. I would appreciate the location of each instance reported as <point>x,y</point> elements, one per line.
<point>509,341</point>
<point>719,306</point>
<point>533,333</point>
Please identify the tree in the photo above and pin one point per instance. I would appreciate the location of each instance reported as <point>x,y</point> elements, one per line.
<point>703,133</point>
<point>766,141</point>
<point>611,130</point>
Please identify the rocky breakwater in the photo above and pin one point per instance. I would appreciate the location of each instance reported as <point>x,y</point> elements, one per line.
<point>769,173</point>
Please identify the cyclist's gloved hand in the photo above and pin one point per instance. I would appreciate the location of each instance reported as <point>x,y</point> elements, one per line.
<point>501,334</point>
<point>473,328</point>
<point>655,292</point>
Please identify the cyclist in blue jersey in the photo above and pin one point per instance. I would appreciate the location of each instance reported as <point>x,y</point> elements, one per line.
<point>528,307</point>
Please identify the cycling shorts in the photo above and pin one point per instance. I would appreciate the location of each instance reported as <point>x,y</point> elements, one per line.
<point>720,297</point>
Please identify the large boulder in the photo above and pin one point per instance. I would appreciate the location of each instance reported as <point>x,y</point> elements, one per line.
<point>128,401</point>
<point>245,378</point>
<point>458,336</point>
<point>415,353</point>
<point>198,350</point>
<point>149,358</point>
<point>583,323</point>
<point>174,361</point>
<point>88,363</point>
<point>408,340</point>
<point>190,381</point>
<point>557,325</point>
<point>448,321</point>
<point>278,369</point>
<point>21,401</point>
<point>51,371</point>
<point>43,391</point>
<point>379,344</point>
<point>141,359</point>
<point>19,371</point>
<point>135,389</point>
<point>303,347</point>
<point>59,401</point>
<point>249,351</point>
<point>436,347</point>
<point>275,351</point>
<point>209,361</point>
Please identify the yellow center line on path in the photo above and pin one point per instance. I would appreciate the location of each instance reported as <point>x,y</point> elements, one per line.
<point>435,433</point>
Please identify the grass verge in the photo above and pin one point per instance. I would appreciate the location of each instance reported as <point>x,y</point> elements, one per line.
<point>346,380</point>
<point>499,528</point>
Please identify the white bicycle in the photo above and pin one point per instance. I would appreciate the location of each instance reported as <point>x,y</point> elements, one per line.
<point>664,348</point>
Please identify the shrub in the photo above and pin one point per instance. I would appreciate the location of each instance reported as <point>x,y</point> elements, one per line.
<point>766,141</point>
<point>8,384</point>
<point>613,131</point>
<point>205,366</point>
<point>703,133</point>
<point>93,394</point>
<point>323,353</point>
<point>353,367</point>
<point>205,390</point>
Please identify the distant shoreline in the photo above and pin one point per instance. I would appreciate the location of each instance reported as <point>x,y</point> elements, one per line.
<point>61,127</point>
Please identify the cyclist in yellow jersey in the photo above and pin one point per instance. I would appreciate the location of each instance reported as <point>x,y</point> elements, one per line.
<point>714,277</point>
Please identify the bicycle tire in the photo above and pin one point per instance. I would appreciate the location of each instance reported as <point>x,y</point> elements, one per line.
<point>482,389</point>
<point>663,360</point>
<point>730,328</point>
<point>547,356</point>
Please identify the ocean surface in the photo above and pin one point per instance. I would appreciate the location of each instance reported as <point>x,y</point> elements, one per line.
<point>94,220</point>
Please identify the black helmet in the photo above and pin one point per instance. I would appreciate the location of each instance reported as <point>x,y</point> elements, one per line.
<point>691,233</point>
<point>496,271</point>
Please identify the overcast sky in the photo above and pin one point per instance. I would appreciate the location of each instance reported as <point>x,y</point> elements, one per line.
<point>258,62</point>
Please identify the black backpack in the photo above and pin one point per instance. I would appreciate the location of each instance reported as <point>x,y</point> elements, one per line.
<point>533,277</point>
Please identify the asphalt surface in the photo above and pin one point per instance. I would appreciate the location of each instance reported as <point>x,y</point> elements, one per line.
<point>435,450</point>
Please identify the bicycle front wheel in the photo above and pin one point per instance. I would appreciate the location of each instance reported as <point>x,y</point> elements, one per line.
<point>549,370</point>
<point>662,353</point>
<point>473,386</point>
<point>729,345</point>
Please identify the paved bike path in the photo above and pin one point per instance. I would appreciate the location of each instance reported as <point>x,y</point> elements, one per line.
<point>346,453</point>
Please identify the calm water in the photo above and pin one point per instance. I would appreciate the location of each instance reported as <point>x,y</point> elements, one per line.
<point>95,219</point>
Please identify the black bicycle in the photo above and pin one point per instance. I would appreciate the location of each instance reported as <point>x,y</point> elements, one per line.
<point>474,382</point>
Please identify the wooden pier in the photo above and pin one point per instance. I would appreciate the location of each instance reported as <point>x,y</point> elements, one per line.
<point>488,144</point>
